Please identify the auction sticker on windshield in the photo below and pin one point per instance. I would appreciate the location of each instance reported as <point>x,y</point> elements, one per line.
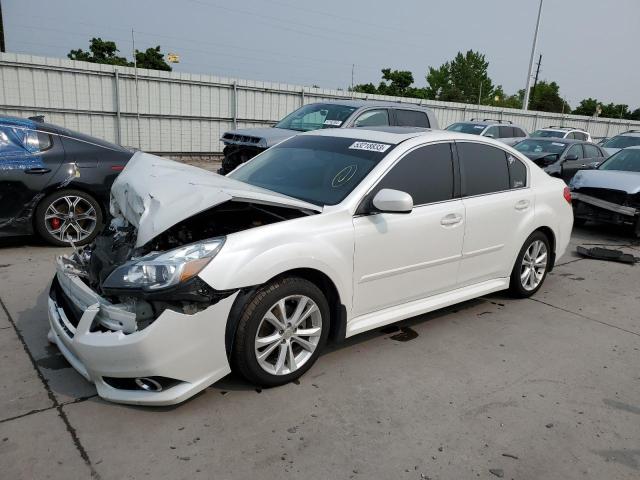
<point>333,123</point>
<point>370,146</point>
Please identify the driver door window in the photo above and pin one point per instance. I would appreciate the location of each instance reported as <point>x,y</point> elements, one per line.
<point>491,132</point>
<point>575,150</point>
<point>373,118</point>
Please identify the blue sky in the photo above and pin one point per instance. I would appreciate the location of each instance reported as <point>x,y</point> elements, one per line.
<point>589,46</point>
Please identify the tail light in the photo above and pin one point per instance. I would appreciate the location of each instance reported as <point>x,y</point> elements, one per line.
<point>117,168</point>
<point>567,194</point>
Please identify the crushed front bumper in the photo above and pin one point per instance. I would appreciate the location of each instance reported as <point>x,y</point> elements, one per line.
<point>588,207</point>
<point>187,349</point>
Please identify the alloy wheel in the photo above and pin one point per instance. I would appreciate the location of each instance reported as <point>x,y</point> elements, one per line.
<point>288,335</point>
<point>70,218</point>
<point>534,265</point>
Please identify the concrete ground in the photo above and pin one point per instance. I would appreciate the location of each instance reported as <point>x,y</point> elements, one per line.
<point>547,387</point>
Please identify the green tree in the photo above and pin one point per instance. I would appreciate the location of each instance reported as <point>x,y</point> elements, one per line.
<point>546,98</point>
<point>586,107</point>
<point>397,83</point>
<point>152,59</point>
<point>464,79</point>
<point>100,51</point>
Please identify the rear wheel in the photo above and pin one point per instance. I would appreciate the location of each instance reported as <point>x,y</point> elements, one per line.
<point>281,332</point>
<point>531,266</point>
<point>68,216</point>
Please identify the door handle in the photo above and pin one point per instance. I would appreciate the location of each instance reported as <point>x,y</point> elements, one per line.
<point>583,165</point>
<point>522,204</point>
<point>451,219</point>
<point>37,171</point>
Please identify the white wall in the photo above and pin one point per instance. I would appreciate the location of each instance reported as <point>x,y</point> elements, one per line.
<point>188,113</point>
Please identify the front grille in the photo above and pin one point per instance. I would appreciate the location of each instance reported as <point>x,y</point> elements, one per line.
<point>240,138</point>
<point>614,196</point>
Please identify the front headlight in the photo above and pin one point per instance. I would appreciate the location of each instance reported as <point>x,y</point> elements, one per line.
<point>156,271</point>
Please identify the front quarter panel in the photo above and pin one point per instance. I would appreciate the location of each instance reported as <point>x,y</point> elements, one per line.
<point>322,242</point>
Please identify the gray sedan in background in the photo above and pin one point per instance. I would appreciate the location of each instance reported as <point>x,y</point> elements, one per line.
<point>244,144</point>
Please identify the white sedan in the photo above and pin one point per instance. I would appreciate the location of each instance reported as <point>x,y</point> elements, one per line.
<point>324,236</point>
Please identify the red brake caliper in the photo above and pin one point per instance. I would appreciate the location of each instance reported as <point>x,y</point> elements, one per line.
<point>55,223</point>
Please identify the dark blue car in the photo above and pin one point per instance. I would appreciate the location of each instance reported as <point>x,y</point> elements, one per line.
<point>55,182</point>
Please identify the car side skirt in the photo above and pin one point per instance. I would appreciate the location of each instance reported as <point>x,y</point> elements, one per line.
<point>393,314</point>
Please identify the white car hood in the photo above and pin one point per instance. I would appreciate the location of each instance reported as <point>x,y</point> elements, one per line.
<point>154,194</point>
<point>613,179</point>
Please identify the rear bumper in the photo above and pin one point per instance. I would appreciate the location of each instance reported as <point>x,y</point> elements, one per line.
<point>188,349</point>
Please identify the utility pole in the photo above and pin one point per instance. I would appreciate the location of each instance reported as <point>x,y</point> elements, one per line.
<point>353,67</point>
<point>135,69</point>
<point>2,49</point>
<point>535,82</point>
<point>525,103</point>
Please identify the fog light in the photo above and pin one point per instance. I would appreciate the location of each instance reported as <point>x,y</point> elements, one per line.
<point>148,384</point>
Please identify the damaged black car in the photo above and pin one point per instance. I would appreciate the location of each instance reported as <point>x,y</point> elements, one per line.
<point>610,193</point>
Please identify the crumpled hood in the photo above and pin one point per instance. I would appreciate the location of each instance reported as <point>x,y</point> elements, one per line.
<point>267,137</point>
<point>154,194</point>
<point>613,179</point>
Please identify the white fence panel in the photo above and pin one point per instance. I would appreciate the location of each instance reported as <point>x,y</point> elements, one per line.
<point>188,113</point>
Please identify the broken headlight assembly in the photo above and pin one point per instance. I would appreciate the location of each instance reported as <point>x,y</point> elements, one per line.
<point>157,271</point>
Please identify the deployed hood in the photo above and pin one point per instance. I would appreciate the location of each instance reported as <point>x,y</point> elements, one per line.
<point>154,194</point>
<point>258,137</point>
<point>612,179</point>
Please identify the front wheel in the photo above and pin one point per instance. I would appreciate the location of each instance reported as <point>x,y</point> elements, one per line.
<point>531,266</point>
<point>281,332</point>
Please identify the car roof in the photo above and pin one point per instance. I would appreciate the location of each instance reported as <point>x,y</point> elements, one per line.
<point>557,140</point>
<point>633,133</point>
<point>376,103</point>
<point>563,129</point>
<point>488,122</point>
<point>396,135</point>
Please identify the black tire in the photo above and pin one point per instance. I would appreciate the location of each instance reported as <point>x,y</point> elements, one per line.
<point>244,357</point>
<point>516,287</point>
<point>87,201</point>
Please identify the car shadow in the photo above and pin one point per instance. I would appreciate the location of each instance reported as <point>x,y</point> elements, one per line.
<point>23,241</point>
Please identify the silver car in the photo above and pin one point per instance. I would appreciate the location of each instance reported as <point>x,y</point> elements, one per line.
<point>503,131</point>
<point>244,144</point>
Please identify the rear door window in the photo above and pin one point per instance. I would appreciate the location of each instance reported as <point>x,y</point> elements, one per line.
<point>411,118</point>
<point>483,169</point>
<point>517,172</point>
<point>517,132</point>
<point>506,132</point>
<point>425,173</point>
<point>591,151</point>
<point>373,118</point>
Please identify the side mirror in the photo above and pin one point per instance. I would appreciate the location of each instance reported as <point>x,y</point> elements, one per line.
<point>572,157</point>
<point>392,201</point>
<point>490,135</point>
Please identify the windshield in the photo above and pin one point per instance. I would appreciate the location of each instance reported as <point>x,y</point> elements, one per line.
<point>316,116</point>
<point>472,128</point>
<point>317,169</point>
<point>548,133</point>
<point>533,145</point>
<point>624,160</point>
<point>622,141</point>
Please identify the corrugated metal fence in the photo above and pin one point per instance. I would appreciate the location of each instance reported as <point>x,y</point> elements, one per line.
<point>187,113</point>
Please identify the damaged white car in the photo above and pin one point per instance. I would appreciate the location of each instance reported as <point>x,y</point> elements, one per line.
<point>324,236</point>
